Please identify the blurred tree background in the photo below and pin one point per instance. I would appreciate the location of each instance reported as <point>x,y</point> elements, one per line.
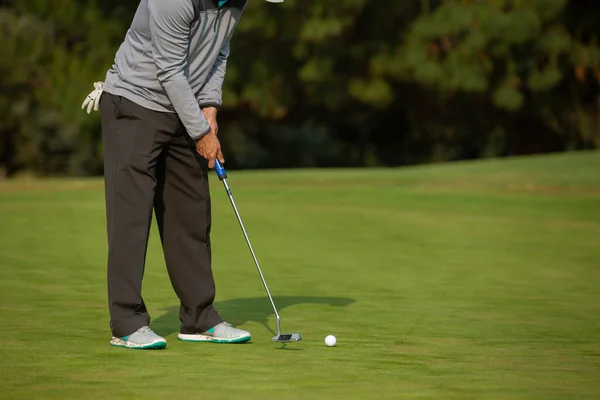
<point>319,83</point>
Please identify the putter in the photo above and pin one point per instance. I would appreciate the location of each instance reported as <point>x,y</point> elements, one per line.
<point>280,337</point>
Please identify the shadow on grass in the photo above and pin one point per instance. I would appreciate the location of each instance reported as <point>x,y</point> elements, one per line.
<point>240,311</point>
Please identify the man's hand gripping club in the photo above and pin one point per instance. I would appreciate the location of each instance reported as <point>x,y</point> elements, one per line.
<point>209,146</point>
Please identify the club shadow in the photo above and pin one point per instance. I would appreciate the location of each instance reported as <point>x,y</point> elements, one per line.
<point>240,311</point>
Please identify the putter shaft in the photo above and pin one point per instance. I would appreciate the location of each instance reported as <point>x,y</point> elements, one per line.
<point>239,218</point>
<point>282,338</point>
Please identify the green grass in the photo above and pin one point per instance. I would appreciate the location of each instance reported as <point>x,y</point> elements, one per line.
<point>475,280</point>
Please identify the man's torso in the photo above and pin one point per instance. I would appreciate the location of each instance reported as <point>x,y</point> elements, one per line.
<point>134,73</point>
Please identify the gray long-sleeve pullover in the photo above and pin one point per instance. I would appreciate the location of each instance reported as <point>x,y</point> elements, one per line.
<point>174,57</point>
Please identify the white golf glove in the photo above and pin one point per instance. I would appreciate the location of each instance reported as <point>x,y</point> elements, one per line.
<point>92,101</point>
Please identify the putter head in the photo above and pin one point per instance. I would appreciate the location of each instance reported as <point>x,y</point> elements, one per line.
<point>287,337</point>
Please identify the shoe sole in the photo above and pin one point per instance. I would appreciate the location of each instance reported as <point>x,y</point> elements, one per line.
<point>211,339</point>
<point>156,345</point>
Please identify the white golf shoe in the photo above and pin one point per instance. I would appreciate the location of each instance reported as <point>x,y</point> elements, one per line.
<point>142,339</point>
<point>221,333</point>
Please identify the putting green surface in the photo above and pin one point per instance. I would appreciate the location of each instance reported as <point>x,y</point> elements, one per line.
<point>475,280</point>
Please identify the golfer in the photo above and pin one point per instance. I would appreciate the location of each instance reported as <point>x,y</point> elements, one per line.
<point>158,108</point>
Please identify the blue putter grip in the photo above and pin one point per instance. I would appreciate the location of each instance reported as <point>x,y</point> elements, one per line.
<point>221,173</point>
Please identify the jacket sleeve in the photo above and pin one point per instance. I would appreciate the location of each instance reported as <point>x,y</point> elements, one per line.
<point>170,23</point>
<point>211,94</point>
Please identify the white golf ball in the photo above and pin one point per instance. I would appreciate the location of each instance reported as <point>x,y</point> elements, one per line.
<point>330,341</point>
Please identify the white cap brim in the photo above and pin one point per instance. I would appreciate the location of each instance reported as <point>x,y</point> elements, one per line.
<point>275,1</point>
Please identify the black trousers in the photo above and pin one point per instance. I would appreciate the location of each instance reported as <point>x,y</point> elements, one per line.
<point>150,163</point>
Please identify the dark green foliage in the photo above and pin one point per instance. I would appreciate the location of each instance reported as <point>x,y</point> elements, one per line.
<point>358,82</point>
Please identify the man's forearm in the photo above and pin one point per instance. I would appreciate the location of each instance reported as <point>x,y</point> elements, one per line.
<point>210,112</point>
<point>169,27</point>
<point>212,92</point>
